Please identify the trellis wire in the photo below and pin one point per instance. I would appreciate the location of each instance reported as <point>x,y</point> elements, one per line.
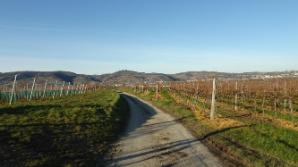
<point>12,92</point>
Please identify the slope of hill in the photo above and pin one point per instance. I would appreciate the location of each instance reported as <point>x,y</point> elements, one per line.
<point>196,75</point>
<point>120,77</point>
<point>131,77</point>
<point>193,75</point>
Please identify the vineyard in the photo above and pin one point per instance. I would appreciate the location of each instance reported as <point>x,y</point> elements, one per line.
<point>245,122</point>
<point>12,92</point>
<point>249,122</point>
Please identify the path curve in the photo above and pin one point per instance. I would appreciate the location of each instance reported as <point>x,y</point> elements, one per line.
<point>154,138</point>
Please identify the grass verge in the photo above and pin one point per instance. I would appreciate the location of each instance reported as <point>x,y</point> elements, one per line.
<point>69,131</point>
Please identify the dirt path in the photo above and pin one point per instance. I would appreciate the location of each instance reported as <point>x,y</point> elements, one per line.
<point>153,138</point>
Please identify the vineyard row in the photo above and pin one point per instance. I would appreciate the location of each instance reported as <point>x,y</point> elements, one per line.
<point>15,91</point>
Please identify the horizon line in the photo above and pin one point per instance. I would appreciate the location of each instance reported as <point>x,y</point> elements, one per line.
<point>207,71</point>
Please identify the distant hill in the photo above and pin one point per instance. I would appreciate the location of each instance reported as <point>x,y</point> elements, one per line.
<point>195,75</point>
<point>132,77</point>
<point>120,77</point>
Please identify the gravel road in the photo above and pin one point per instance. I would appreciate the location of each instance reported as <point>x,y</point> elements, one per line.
<point>154,138</point>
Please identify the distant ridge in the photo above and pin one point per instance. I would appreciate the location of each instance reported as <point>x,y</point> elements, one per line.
<point>132,77</point>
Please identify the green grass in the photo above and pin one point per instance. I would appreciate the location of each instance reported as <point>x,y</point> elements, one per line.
<point>68,131</point>
<point>262,144</point>
<point>275,146</point>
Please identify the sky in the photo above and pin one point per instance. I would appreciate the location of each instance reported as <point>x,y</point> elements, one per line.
<point>168,36</point>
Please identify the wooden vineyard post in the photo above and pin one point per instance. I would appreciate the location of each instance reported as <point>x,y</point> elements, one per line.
<point>27,91</point>
<point>81,88</point>
<point>78,89</point>
<point>236,97</point>
<point>255,103</point>
<point>54,90</point>
<point>74,89</point>
<point>275,105</point>
<point>276,100</point>
<point>68,89</point>
<point>142,87</point>
<point>285,104</point>
<point>212,112</point>
<point>197,92</point>
<point>85,88</point>
<point>32,89</point>
<point>290,102</point>
<point>44,89</point>
<point>71,89</point>
<point>291,107</point>
<point>24,95</point>
<point>13,90</point>
<point>61,89</point>
<point>156,91</point>
<point>263,104</point>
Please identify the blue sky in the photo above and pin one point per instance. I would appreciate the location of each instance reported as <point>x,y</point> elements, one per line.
<point>102,36</point>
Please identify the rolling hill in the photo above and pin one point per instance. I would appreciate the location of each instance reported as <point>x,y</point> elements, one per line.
<point>132,77</point>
